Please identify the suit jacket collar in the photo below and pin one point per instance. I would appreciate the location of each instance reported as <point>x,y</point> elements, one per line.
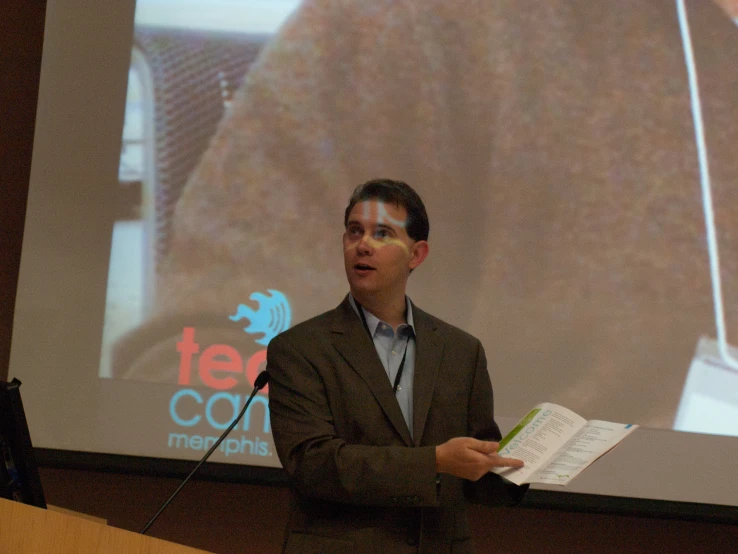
<point>373,321</point>
<point>356,347</point>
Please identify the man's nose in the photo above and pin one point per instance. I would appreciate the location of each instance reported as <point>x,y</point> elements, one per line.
<point>365,244</point>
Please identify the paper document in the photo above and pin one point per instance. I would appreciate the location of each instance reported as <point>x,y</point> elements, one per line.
<point>557,445</point>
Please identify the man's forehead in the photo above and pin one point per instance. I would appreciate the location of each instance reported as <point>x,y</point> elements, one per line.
<point>377,212</point>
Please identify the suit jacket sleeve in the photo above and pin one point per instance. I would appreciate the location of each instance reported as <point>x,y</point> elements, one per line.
<point>491,490</point>
<point>323,466</point>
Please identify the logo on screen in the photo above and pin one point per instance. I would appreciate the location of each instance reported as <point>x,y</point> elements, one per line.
<point>221,367</point>
<point>271,318</point>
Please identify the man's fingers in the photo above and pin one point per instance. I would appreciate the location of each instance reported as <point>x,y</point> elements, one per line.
<point>486,447</point>
<point>499,461</point>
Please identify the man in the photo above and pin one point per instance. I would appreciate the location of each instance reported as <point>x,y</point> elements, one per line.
<point>380,412</point>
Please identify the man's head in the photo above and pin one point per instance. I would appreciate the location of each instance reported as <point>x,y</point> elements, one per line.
<point>385,239</point>
<point>401,195</point>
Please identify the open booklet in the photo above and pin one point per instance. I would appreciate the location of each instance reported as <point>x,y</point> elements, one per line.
<point>557,445</point>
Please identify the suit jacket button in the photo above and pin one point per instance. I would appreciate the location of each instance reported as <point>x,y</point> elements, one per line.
<point>412,541</point>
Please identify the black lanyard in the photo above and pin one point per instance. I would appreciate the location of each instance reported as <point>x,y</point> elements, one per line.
<point>402,363</point>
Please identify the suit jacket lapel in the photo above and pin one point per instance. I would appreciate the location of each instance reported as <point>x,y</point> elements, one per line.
<point>428,354</point>
<point>356,347</point>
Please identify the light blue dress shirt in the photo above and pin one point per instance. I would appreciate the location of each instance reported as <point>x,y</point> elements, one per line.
<point>390,346</point>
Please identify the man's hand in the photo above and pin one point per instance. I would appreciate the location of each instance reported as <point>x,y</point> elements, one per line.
<point>470,458</point>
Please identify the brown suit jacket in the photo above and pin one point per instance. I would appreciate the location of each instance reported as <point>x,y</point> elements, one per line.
<point>362,483</point>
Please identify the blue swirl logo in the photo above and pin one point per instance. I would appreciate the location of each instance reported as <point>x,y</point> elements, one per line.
<point>272,316</point>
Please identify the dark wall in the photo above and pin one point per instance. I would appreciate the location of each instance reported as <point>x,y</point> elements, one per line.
<point>21,37</point>
<point>228,517</point>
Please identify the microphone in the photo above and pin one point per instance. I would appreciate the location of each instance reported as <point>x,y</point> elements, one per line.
<point>259,383</point>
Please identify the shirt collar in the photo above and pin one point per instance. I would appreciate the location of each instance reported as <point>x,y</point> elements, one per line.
<point>373,321</point>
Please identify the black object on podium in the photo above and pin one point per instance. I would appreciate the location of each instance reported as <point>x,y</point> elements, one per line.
<point>19,477</point>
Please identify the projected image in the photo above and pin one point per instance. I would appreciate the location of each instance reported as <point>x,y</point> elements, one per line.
<point>185,69</point>
<point>186,65</point>
<point>580,195</point>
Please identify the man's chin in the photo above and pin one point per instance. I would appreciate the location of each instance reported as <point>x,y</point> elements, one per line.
<point>360,287</point>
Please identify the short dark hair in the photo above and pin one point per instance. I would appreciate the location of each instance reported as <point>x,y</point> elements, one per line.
<point>397,193</point>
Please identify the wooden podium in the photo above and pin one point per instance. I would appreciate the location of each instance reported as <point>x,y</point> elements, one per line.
<point>29,530</point>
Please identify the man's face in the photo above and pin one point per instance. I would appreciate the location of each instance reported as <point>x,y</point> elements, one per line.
<point>378,253</point>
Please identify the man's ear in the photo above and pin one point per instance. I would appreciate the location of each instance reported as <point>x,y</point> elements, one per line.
<point>419,253</point>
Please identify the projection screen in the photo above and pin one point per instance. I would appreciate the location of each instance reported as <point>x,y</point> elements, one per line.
<point>193,159</point>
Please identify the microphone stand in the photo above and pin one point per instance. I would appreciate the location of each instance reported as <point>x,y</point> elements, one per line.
<point>261,380</point>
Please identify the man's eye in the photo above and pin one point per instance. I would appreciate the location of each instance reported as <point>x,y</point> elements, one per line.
<point>381,234</point>
<point>355,232</point>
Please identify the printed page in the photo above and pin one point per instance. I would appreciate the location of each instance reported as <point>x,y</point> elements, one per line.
<point>592,441</point>
<point>536,439</point>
